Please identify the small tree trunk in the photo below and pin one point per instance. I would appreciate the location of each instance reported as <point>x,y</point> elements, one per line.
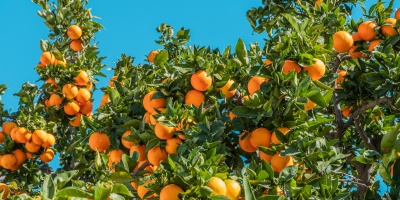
<point>364,174</point>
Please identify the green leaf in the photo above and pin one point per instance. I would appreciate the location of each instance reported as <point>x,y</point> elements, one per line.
<point>243,111</point>
<point>49,189</point>
<point>319,100</point>
<point>121,177</point>
<point>292,21</point>
<point>384,174</point>
<point>61,179</point>
<point>241,52</point>
<point>161,58</point>
<point>389,139</point>
<point>101,193</point>
<point>287,173</point>
<point>363,160</point>
<point>45,45</point>
<point>322,86</point>
<point>119,188</point>
<point>74,192</point>
<point>248,194</point>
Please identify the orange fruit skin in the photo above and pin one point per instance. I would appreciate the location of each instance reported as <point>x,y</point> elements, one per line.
<point>342,41</point>
<point>267,63</point>
<point>225,89</point>
<point>340,78</point>
<point>245,144</point>
<point>164,132</point>
<point>146,117</point>
<point>70,91</point>
<point>47,155</point>
<point>309,105</point>
<point>47,58</point>
<point>280,162</point>
<point>20,156</point>
<point>7,126</point>
<point>5,189</point>
<point>172,145</point>
<point>231,115</point>
<point>233,189</point>
<point>367,30</point>
<point>77,121</point>
<point>115,155</point>
<point>141,149</point>
<point>346,111</point>
<point>32,147</point>
<point>152,118</point>
<point>181,126</point>
<point>74,32</point>
<point>76,45</point>
<point>388,30</point>
<point>356,37</point>
<point>254,84</point>
<point>289,66</point>
<point>83,95</point>
<point>201,81</point>
<point>170,192</point>
<point>265,157</point>
<point>13,134</point>
<point>373,44</point>
<point>356,55</point>
<point>82,79</point>
<point>71,108</point>
<point>59,62</point>
<point>99,141</point>
<point>142,189</point>
<point>397,14</point>
<point>55,100</point>
<point>8,161</point>
<point>126,143</point>
<point>29,155</point>
<point>1,137</point>
<point>260,137</point>
<point>49,141</point>
<point>194,97</point>
<point>317,70</point>
<point>149,104</point>
<point>217,185</point>
<point>274,139</point>
<point>156,155</point>
<point>53,82</point>
<point>152,55</point>
<point>23,135</point>
<point>317,3</point>
<point>86,108</point>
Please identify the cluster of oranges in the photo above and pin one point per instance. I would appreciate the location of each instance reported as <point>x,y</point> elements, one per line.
<point>227,187</point>
<point>74,32</point>
<point>32,144</point>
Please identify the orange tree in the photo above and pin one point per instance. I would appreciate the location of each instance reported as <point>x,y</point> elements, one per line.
<point>312,114</point>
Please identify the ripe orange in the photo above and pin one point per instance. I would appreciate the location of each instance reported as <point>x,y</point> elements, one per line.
<point>152,55</point>
<point>71,108</point>
<point>115,156</point>
<point>20,156</point>
<point>141,149</point>
<point>267,63</point>
<point>53,82</point>
<point>217,185</point>
<point>126,143</point>
<point>32,147</point>
<point>373,44</point>
<point>201,81</point>
<point>172,145</point>
<point>170,192</point>
<point>70,91</point>
<point>289,66</point>
<point>346,111</point>
<point>49,141</point>
<point>225,89</point>
<point>233,189</point>
<point>156,155</point>
<point>89,86</point>
<point>245,144</point>
<point>86,108</point>
<point>55,100</point>
<point>29,155</point>
<point>13,134</point>
<point>7,126</point>
<point>356,55</point>
<point>5,189</point>
<point>231,115</point>
<point>274,139</point>
<point>367,30</point>
<point>59,62</point>
<point>260,137</point>
<point>76,45</point>
<point>83,95</point>
<point>317,3</point>
<point>265,157</point>
<point>254,84</point>
<point>194,97</point>
<point>110,82</point>
<point>340,78</point>
<point>82,78</point>
<point>342,41</point>
<point>397,14</point>
<point>164,132</point>
<point>47,155</point>
<point>309,105</point>
<point>47,58</point>
<point>153,120</point>
<point>1,137</point>
<point>99,141</point>
<point>316,70</point>
<point>143,189</point>
<point>74,32</point>
<point>8,161</point>
<point>147,117</point>
<point>149,104</point>
<point>356,37</point>
<point>77,121</point>
<point>105,98</point>
<point>23,135</point>
<point>279,162</point>
<point>388,30</point>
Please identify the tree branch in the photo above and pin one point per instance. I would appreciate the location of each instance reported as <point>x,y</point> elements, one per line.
<point>355,182</point>
<point>363,135</point>
<point>141,168</point>
<point>339,59</point>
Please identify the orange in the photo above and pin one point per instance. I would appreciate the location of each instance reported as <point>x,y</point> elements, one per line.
<point>316,70</point>
<point>20,156</point>
<point>89,86</point>
<point>225,89</point>
<point>53,82</point>
<point>156,155</point>
<point>8,161</point>
<point>317,3</point>
<point>217,185</point>
<point>164,132</point>
<point>279,162</point>
<point>13,134</point>
<point>126,143</point>
<point>47,155</point>
<point>47,58</point>
<point>346,111</point>
<point>49,141</point>
<point>254,84</point>
<point>86,108</point>
<point>74,32</point>
<point>233,189</point>
<point>153,120</point>
<point>373,44</point>
<point>110,82</point>
<point>260,137</point>
<point>289,66</point>
<point>267,63</point>
<point>23,135</point>
<point>194,97</point>
<point>105,98</point>
<point>115,156</point>
<point>83,95</point>
<point>99,141</point>
<point>152,55</point>
<point>265,157</point>
<point>77,121</point>
<point>59,62</point>
<point>82,78</point>
<point>309,105</point>
<point>200,80</point>
<point>1,137</point>
<point>7,126</point>
<point>170,192</point>
<point>356,55</point>
<point>32,147</point>
<point>367,30</point>
<point>356,37</point>
<point>55,100</point>
<point>274,139</point>
<point>147,117</point>
<point>340,78</point>
<point>397,14</point>
<point>149,104</point>
<point>142,189</point>
<point>71,108</point>
<point>134,185</point>
<point>141,149</point>
<point>172,145</point>
<point>245,144</point>
<point>342,41</point>
<point>245,98</point>
<point>70,91</point>
<point>76,45</point>
<point>388,30</point>
<point>231,115</point>
<point>5,190</point>
<point>29,155</point>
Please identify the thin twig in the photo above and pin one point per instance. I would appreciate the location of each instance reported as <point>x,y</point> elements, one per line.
<point>351,181</point>
<point>345,174</point>
<point>141,168</point>
<point>363,134</point>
